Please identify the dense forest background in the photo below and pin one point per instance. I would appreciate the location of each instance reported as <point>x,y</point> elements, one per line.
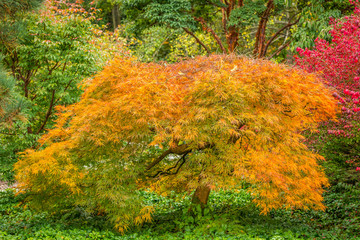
<point>52,50</point>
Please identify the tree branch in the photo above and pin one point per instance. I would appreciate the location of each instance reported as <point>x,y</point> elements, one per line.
<point>197,40</point>
<point>159,159</point>
<point>48,112</point>
<point>167,171</point>
<point>182,149</point>
<point>261,31</point>
<point>208,29</point>
<point>280,49</point>
<point>278,32</point>
<point>179,150</point>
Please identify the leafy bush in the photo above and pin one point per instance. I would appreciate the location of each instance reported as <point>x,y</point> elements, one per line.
<point>336,62</point>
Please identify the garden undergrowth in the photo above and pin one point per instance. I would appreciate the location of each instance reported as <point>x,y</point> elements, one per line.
<point>229,215</point>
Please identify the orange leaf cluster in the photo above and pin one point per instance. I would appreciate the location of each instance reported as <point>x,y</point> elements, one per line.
<point>218,120</point>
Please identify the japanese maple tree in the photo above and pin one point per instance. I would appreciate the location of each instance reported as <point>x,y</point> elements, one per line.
<point>208,123</point>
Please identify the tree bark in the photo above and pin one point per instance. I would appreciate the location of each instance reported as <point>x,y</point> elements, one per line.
<point>232,38</point>
<point>231,32</point>
<point>201,196</point>
<point>116,16</point>
<point>212,32</point>
<point>259,49</point>
<point>48,113</point>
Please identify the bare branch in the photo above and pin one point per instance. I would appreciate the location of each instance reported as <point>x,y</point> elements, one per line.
<point>210,30</point>
<point>197,40</point>
<point>48,113</point>
<point>278,32</point>
<point>168,171</point>
<point>179,150</point>
<point>280,49</point>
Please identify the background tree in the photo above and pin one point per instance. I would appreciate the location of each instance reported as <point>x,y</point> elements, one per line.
<point>336,61</point>
<point>10,105</point>
<point>282,31</point>
<point>52,55</point>
<point>204,124</point>
<point>48,55</point>
<point>190,16</point>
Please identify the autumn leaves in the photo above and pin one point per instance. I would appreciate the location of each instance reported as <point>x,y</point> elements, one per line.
<point>212,121</point>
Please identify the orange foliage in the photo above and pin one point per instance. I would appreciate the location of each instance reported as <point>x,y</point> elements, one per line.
<point>218,120</point>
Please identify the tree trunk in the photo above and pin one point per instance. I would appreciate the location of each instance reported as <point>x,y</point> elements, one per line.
<point>116,16</point>
<point>201,196</point>
<point>232,38</point>
<point>259,49</point>
<point>231,32</point>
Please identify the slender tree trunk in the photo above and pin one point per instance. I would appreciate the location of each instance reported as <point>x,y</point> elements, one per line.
<point>259,50</point>
<point>201,196</point>
<point>48,113</point>
<point>116,16</point>
<point>231,32</point>
<point>232,38</point>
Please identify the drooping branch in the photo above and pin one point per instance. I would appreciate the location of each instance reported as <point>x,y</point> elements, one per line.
<point>182,149</point>
<point>179,150</point>
<point>159,159</point>
<point>197,40</point>
<point>181,161</point>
